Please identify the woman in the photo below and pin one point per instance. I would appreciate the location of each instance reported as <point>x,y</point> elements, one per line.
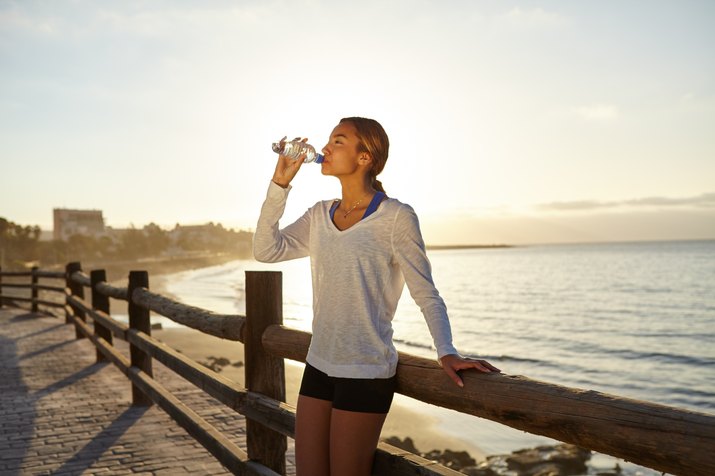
<point>363,248</point>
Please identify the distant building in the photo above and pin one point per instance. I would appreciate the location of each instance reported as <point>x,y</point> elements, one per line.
<point>77,222</point>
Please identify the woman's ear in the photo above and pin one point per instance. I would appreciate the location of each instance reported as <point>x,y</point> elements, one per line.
<point>365,159</point>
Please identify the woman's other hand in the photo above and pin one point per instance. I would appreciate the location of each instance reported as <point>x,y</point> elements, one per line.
<point>287,168</point>
<point>453,363</point>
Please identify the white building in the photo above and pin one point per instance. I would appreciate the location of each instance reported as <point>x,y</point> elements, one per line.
<point>77,222</point>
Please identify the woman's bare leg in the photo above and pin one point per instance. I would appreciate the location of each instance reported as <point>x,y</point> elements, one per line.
<point>353,440</point>
<point>312,436</point>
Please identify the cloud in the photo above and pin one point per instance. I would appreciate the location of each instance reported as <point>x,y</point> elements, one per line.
<point>13,19</point>
<point>598,112</point>
<point>705,200</point>
<point>534,18</point>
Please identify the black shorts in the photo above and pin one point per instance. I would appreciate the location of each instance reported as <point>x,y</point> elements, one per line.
<point>370,395</point>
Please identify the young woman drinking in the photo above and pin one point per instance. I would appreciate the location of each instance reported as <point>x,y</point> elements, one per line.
<point>363,248</point>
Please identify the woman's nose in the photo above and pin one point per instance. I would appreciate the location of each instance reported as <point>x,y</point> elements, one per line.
<point>325,150</point>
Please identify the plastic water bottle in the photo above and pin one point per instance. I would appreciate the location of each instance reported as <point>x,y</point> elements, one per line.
<point>295,148</point>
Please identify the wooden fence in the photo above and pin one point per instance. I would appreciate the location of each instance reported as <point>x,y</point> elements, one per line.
<point>664,438</point>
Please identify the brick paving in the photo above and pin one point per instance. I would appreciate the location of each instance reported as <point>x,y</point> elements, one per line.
<point>62,413</point>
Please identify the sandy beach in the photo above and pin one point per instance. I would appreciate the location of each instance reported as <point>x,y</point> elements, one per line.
<point>402,421</point>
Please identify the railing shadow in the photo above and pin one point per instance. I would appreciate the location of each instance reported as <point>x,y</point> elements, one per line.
<point>103,441</point>
<point>28,316</point>
<point>69,380</point>
<point>19,422</point>
<point>49,348</point>
<point>42,331</point>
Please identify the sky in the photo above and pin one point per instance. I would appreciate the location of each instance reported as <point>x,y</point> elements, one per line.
<point>509,121</point>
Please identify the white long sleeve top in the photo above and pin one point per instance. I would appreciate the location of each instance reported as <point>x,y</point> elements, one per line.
<point>358,275</point>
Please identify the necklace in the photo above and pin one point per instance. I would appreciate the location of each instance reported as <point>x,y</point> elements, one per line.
<point>345,215</point>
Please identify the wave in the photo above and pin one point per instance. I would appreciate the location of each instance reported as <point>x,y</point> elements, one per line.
<point>666,357</point>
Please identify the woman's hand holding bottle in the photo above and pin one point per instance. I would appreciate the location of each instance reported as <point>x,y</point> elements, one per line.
<point>287,168</point>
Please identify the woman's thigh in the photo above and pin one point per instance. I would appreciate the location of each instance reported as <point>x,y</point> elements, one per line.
<point>312,436</point>
<point>353,439</point>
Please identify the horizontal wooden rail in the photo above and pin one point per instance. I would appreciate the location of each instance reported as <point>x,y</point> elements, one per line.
<point>225,451</point>
<point>117,328</point>
<point>81,278</point>
<point>220,325</point>
<point>46,287</point>
<point>16,285</point>
<point>394,461</point>
<point>50,274</point>
<point>47,303</point>
<point>664,438</point>
<point>112,291</point>
<point>109,351</point>
<point>17,298</point>
<point>276,415</point>
<point>16,273</point>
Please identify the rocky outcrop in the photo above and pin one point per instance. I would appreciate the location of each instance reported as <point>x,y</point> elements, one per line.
<point>551,460</point>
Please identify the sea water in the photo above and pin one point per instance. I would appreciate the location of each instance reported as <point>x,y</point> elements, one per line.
<point>631,319</point>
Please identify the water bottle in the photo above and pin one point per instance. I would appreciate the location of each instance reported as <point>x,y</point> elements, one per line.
<point>295,148</point>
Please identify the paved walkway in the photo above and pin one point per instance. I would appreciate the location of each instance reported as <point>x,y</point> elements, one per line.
<point>62,413</point>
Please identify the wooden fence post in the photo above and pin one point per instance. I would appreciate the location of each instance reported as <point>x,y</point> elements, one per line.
<point>139,320</point>
<point>78,291</point>
<point>100,302</point>
<point>33,290</point>
<point>264,373</point>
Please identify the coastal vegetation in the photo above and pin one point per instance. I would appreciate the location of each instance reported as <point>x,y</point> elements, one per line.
<point>21,246</point>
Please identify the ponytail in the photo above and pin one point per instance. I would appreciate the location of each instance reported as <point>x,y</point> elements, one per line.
<point>377,185</point>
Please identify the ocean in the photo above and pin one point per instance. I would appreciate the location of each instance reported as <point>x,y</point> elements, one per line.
<point>631,319</point>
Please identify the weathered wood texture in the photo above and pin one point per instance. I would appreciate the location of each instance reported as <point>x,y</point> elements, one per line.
<point>265,373</point>
<point>51,274</point>
<point>110,352</point>
<point>286,342</point>
<point>76,289</point>
<point>44,302</point>
<point>34,294</point>
<point>46,287</point>
<point>397,462</point>
<point>81,278</point>
<point>139,320</point>
<point>664,438</point>
<point>18,298</point>
<point>100,302</point>
<point>17,285</point>
<point>112,291</point>
<point>225,326</point>
<point>119,329</point>
<point>16,273</point>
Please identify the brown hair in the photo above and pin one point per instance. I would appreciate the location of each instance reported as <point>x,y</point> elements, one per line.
<point>373,140</point>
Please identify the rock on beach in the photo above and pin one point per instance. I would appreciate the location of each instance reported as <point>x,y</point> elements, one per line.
<point>549,460</point>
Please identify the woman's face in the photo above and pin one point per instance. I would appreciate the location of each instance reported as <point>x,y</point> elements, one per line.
<point>341,151</point>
